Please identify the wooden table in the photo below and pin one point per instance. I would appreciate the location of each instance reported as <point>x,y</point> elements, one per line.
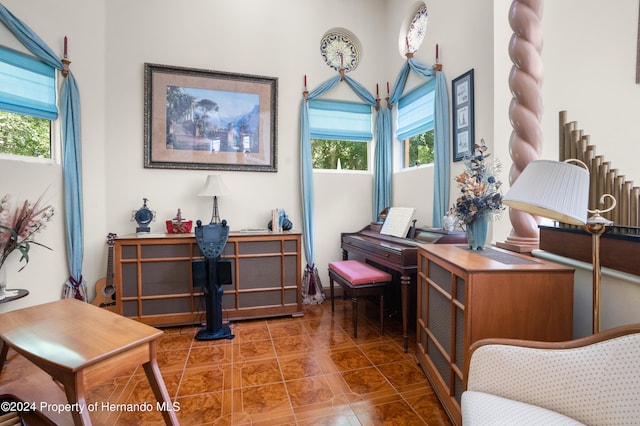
<point>82,346</point>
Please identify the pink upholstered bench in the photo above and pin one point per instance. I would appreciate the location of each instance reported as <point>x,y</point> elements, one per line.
<point>360,279</point>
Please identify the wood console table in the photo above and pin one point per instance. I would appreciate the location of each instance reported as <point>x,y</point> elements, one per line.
<point>153,280</point>
<point>465,296</point>
<point>82,346</point>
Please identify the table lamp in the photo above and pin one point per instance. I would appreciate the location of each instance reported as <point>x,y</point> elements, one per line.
<point>212,188</point>
<point>560,191</point>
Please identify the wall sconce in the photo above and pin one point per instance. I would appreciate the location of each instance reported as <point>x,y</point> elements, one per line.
<point>212,188</point>
<point>560,191</point>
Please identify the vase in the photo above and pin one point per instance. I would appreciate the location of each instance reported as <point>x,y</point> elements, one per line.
<point>3,279</point>
<point>477,231</point>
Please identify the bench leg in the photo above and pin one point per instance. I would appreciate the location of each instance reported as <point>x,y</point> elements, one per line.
<point>382,311</point>
<point>331,287</point>
<point>354,303</point>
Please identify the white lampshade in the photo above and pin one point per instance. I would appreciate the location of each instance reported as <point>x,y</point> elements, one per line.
<point>551,189</point>
<point>212,187</point>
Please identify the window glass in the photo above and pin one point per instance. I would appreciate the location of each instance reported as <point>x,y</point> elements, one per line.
<point>340,132</point>
<point>339,155</point>
<point>418,150</point>
<point>25,135</point>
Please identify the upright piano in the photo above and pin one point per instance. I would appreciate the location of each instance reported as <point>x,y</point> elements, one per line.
<point>395,254</point>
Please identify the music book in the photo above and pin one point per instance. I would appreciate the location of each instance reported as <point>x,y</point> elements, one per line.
<point>398,221</point>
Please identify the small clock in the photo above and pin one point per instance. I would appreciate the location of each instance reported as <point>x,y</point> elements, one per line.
<point>340,51</point>
<point>143,217</point>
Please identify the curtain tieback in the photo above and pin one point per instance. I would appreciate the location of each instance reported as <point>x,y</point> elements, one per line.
<point>76,287</point>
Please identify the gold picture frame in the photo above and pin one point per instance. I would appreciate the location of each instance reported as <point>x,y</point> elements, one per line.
<point>209,120</point>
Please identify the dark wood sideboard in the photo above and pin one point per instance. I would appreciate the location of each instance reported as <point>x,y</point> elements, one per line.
<point>153,279</point>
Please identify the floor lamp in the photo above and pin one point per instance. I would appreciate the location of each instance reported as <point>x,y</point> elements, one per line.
<point>560,191</point>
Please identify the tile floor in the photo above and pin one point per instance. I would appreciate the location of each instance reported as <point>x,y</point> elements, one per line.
<point>284,371</point>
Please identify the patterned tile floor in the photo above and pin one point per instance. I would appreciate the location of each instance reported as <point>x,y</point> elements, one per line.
<point>283,371</point>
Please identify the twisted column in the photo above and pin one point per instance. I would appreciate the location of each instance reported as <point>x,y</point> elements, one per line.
<point>525,110</point>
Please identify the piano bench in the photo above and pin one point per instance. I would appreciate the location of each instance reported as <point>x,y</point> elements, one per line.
<point>360,279</point>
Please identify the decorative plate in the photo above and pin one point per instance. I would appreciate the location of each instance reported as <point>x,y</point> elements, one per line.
<point>340,51</point>
<point>417,30</point>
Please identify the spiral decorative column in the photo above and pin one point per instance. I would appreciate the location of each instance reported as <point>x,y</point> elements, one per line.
<point>525,110</point>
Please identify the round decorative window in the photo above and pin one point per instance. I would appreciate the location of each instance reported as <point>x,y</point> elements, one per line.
<point>417,29</point>
<point>340,50</point>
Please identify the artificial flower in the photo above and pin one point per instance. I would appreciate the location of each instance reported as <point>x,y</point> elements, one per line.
<point>479,187</point>
<point>19,226</point>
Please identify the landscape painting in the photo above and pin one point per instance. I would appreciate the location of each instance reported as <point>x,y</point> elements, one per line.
<point>198,119</point>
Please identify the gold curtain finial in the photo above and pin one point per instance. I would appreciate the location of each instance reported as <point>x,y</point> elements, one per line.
<point>65,67</point>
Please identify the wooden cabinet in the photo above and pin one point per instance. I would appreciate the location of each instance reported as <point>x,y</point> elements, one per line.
<point>465,296</point>
<point>152,277</point>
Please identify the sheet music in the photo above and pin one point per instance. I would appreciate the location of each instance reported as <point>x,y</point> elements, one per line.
<point>398,221</point>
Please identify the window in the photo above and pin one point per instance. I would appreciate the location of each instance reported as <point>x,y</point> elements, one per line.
<point>418,150</point>
<point>27,104</point>
<point>339,155</point>
<point>25,135</point>
<point>340,135</point>
<point>415,125</point>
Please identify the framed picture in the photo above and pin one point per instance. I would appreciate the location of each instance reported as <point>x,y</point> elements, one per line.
<point>462,122</point>
<point>212,120</point>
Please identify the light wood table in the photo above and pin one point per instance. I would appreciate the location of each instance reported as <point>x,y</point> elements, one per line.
<point>82,346</point>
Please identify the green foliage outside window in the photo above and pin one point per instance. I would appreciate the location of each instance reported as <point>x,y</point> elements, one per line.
<point>25,135</point>
<point>352,155</point>
<point>420,149</point>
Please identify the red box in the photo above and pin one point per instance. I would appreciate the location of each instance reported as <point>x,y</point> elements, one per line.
<point>175,227</point>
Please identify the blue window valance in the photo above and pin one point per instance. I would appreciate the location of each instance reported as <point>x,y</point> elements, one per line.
<point>416,111</point>
<point>338,120</point>
<point>27,85</point>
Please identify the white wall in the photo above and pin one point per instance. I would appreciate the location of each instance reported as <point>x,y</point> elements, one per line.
<point>109,42</point>
<point>278,39</point>
<point>463,31</point>
<point>589,57</point>
<point>84,24</point>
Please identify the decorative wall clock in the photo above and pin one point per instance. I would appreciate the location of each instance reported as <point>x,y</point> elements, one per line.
<point>417,29</point>
<point>340,51</point>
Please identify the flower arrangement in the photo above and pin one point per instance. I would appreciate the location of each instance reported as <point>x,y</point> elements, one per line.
<point>479,187</point>
<point>18,227</point>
